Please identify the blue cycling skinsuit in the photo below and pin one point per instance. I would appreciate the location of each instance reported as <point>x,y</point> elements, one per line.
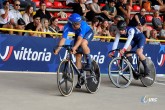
<point>84,31</point>
<point>134,38</point>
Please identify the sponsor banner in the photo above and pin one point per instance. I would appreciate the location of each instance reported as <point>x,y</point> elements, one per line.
<point>24,53</point>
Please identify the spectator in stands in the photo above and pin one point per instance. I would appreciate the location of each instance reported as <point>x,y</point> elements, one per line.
<point>139,19</point>
<point>162,32</point>
<point>28,15</point>
<point>79,8</point>
<point>6,17</point>
<point>153,36</point>
<point>156,21</point>
<point>45,26</point>
<point>42,12</point>
<point>94,27</point>
<point>54,26</point>
<point>35,26</point>
<point>17,15</point>
<point>124,9</point>
<point>113,27</point>
<point>104,30</point>
<point>95,11</point>
<point>110,9</point>
<point>26,3</point>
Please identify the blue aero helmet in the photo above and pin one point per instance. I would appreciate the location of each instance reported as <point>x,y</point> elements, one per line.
<point>75,19</point>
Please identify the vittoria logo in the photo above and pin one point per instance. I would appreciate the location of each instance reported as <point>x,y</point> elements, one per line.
<point>7,53</point>
<point>25,54</point>
<point>161,57</point>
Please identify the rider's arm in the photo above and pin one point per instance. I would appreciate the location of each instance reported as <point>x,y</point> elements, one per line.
<point>131,33</point>
<point>115,44</point>
<point>78,42</point>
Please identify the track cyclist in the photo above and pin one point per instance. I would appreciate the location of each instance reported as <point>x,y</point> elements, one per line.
<point>134,38</point>
<point>83,35</point>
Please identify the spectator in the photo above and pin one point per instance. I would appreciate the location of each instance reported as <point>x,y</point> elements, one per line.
<point>95,11</point>
<point>42,12</point>
<point>113,27</point>
<point>45,26</point>
<point>139,19</point>
<point>156,21</point>
<point>17,15</point>
<point>104,30</point>
<point>110,9</point>
<point>26,3</point>
<point>54,26</point>
<point>79,8</point>
<point>153,36</point>
<point>162,32</point>
<point>34,26</point>
<point>6,17</point>
<point>28,15</point>
<point>94,27</point>
<point>123,9</point>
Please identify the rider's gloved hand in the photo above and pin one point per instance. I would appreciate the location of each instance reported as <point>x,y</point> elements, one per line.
<point>56,51</point>
<point>111,54</point>
<point>122,51</point>
<point>74,50</point>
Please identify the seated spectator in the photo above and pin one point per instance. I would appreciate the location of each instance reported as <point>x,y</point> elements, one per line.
<point>94,26</point>
<point>42,12</point>
<point>153,36</point>
<point>26,3</point>
<point>162,32</point>
<point>28,15</point>
<point>35,26</point>
<point>156,21</point>
<point>104,30</point>
<point>110,9</point>
<point>113,27</point>
<point>139,19</point>
<point>54,26</point>
<point>6,17</point>
<point>17,15</point>
<point>79,8</point>
<point>124,9</point>
<point>45,26</point>
<point>95,11</point>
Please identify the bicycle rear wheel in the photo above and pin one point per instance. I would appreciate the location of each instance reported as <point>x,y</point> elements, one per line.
<point>150,79</point>
<point>65,78</point>
<point>93,78</point>
<point>120,72</point>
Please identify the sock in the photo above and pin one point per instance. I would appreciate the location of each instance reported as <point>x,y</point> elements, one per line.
<point>88,57</point>
<point>130,59</point>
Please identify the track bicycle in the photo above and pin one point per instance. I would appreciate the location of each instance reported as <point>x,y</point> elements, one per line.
<point>65,75</point>
<point>121,71</point>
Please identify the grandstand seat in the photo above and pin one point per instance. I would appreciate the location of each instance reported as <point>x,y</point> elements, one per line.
<point>61,26</point>
<point>58,4</point>
<point>49,4</point>
<point>102,4</point>
<point>149,18</point>
<point>149,27</point>
<point>37,3</point>
<point>136,8</point>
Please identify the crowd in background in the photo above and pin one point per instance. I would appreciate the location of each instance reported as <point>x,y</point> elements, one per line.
<point>102,18</point>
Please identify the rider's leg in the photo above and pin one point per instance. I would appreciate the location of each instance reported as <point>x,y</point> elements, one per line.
<point>139,52</point>
<point>86,51</point>
<point>129,56</point>
<point>79,66</point>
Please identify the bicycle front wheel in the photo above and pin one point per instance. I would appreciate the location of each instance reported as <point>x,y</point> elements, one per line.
<point>93,78</point>
<point>65,78</point>
<point>120,72</point>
